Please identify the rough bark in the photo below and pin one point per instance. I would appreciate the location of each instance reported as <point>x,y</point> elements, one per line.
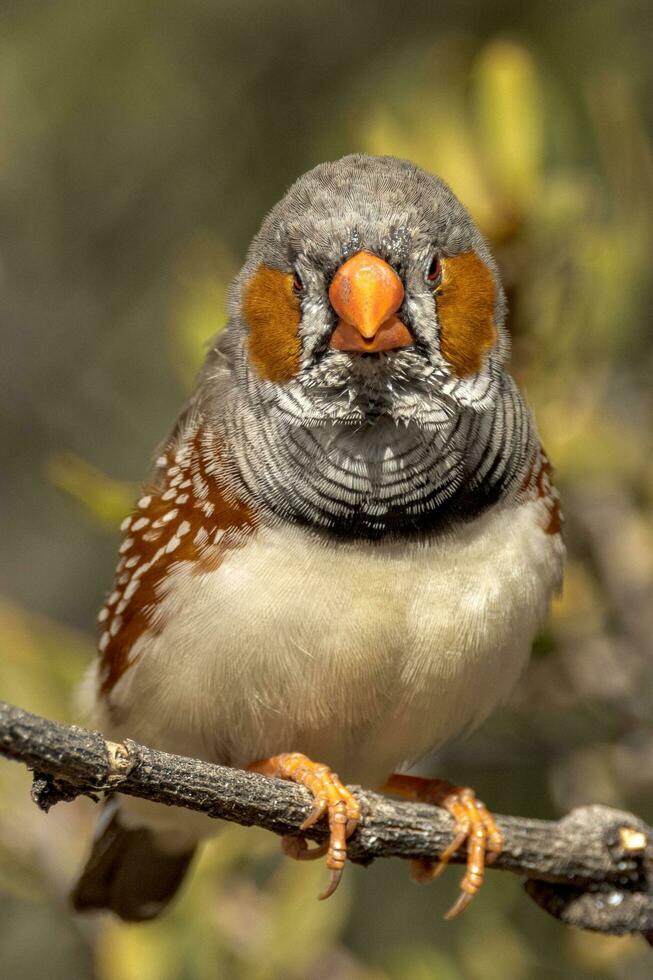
<point>592,869</point>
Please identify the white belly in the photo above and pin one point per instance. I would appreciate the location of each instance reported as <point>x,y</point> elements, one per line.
<point>363,656</point>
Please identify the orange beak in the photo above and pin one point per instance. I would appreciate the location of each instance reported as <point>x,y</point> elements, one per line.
<point>366,292</point>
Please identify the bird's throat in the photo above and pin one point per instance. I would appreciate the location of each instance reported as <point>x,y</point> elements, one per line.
<point>374,480</point>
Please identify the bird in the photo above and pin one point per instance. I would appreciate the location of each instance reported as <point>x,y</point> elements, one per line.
<point>347,543</point>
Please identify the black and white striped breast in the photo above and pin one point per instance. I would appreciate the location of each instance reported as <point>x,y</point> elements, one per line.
<point>381,478</point>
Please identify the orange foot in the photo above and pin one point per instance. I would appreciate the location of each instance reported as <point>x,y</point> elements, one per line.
<point>474,825</point>
<point>330,797</point>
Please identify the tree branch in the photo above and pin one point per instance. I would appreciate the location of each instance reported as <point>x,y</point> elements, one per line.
<point>592,869</point>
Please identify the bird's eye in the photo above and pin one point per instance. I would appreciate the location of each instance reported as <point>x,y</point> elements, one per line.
<point>297,282</point>
<point>434,271</point>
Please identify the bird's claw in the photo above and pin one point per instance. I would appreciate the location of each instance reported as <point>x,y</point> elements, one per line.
<point>474,826</point>
<point>329,797</point>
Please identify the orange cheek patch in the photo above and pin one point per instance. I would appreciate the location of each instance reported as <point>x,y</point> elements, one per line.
<point>465,302</point>
<point>272,312</point>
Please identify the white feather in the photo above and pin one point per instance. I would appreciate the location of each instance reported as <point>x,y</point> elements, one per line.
<point>362,655</point>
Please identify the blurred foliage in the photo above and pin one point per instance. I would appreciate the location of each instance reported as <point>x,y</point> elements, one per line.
<point>106,500</point>
<point>142,144</point>
<point>199,311</point>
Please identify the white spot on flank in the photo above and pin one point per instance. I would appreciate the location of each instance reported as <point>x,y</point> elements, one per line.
<point>103,614</point>
<point>173,543</point>
<point>140,523</point>
<point>126,545</point>
<point>199,486</point>
<point>131,588</point>
<point>140,571</point>
<point>161,461</point>
<point>201,537</point>
<point>113,598</point>
<point>123,579</point>
<point>218,535</point>
<point>151,536</point>
<point>208,509</point>
<point>173,471</point>
<point>176,480</point>
<point>115,625</point>
<point>182,498</point>
<point>125,524</point>
<point>169,494</point>
<point>183,528</point>
<point>104,641</point>
<point>134,560</point>
<point>122,605</point>
<point>168,516</point>
<point>145,502</point>
<point>185,484</point>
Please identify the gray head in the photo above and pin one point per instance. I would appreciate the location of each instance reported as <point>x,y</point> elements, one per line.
<point>368,294</point>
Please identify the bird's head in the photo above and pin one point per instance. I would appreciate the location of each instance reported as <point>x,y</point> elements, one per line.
<point>368,294</point>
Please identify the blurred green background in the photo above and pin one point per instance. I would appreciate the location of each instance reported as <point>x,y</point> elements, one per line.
<point>141,144</point>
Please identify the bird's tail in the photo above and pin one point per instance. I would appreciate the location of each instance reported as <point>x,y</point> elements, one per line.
<point>129,872</point>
